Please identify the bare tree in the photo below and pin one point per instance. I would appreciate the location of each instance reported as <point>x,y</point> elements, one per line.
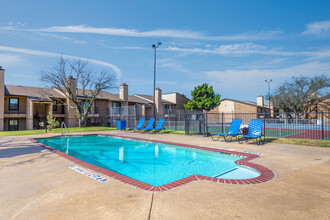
<point>91,84</point>
<point>302,94</point>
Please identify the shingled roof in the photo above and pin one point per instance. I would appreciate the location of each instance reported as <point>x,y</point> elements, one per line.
<point>34,93</point>
<point>45,94</point>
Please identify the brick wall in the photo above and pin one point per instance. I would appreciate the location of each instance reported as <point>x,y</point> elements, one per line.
<point>243,108</point>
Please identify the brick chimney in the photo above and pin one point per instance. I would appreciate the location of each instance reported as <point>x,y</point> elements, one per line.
<point>271,107</point>
<point>260,101</point>
<point>2,97</point>
<point>72,84</point>
<point>123,92</point>
<point>70,116</point>
<point>158,101</point>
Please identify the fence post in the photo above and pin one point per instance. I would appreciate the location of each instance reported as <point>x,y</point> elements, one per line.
<point>186,124</point>
<point>206,128</point>
<point>264,126</point>
<point>322,121</point>
<point>222,123</point>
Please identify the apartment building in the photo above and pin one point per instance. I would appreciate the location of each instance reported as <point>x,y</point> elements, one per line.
<point>237,106</point>
<point>24,107</point>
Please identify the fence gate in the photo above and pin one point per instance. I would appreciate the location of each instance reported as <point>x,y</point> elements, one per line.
<point>195,123</point>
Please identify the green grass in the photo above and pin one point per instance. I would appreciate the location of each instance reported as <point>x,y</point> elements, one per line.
<point>57,130</point>
<point>306,142</point>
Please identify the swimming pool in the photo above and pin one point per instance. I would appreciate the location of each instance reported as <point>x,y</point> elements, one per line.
<point>154,163</point>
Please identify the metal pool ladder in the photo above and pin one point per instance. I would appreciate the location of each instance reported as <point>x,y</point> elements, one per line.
<point>67,133</point>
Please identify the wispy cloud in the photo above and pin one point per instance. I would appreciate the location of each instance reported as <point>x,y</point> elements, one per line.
<point>9,59</point>
<point>241,77</point>
<point>321,28</point>
<point>251,48</point>
<point>166,63</point>
<point>277,61</point>
<point>51,54</point>
<point>234,49</point>
<point>168,33</point>
<point>64,38</point>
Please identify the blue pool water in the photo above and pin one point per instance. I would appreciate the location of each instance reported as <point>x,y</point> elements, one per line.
<point>150,162</point>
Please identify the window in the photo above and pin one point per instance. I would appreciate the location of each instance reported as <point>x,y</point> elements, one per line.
<point>116,107</point>
<point>13,124</point>
<point>55,105</point>
<point>116,104</point>
<point>167,109</point>
<point>13,103</point>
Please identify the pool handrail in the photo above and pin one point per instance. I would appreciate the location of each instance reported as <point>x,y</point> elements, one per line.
<point>67,133</point>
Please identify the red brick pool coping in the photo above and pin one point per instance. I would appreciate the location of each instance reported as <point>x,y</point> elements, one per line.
<point>265,173</point>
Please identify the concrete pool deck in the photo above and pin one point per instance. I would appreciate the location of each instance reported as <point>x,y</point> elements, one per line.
<point>40,185</point>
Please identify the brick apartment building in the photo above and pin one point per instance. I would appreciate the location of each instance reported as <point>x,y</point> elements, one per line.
<point>23,107</point>
<point>237,106</point>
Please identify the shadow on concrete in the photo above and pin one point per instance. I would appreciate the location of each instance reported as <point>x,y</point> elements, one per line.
<point>18,151</point>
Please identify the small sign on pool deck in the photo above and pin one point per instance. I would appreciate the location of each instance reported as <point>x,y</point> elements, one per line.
<point>97,177</point>
<point>79,170</point>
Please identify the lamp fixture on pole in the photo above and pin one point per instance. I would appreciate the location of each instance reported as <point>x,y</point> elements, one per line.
<point>154,46</point>
<point>268,81</point>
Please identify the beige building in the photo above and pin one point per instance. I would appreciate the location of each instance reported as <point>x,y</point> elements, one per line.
<point>24,107</point>
<point>236,106</point>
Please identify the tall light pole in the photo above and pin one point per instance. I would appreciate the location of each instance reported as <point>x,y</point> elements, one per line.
<point>154,46</point>
<point>268,81</point>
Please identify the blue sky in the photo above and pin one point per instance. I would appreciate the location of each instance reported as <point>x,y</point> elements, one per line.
<point>232,45</point>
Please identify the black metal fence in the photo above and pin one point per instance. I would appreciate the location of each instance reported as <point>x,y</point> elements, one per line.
<point>314,125</point>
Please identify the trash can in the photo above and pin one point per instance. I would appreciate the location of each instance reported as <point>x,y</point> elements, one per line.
<point>245,131</point>
<point>121,125</point>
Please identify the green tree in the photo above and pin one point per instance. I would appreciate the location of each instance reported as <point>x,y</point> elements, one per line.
<point>302,94</point>
<point>203,98</point>
<point>52,122</point>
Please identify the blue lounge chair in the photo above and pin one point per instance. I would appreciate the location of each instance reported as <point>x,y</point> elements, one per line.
<point>159,126</point>
<point>233,131</point>
<point>149,126</point>
<point>255,131</point>
<point>139,126</point>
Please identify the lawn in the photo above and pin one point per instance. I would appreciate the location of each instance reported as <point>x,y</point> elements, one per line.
<point>306,142</point>
<point>57,130</point>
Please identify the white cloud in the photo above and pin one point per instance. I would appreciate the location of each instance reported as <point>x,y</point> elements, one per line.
<point>171,33</point>
<point>241,77</point>
<point>234,49</point>
<point>167,63</point>
<point>9,59</point>
<point>60,37</point>
<point>250,48</point>
<point>51,54</point>
<point>277,61</point>
<point>321,28</point>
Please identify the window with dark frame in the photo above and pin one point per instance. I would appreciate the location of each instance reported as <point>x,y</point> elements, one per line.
<point>13,124</point>
<point>55,105</point>
<point>13,103</point>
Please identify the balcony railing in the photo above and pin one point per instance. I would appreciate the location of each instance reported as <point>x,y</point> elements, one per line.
<point>15,112</point>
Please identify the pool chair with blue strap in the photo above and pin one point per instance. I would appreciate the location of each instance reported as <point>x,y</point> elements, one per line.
<point>232,132</point>
<point>255,132</point>
<point>159,126</point>
<point>139,126</point>
<point>149,126</point>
